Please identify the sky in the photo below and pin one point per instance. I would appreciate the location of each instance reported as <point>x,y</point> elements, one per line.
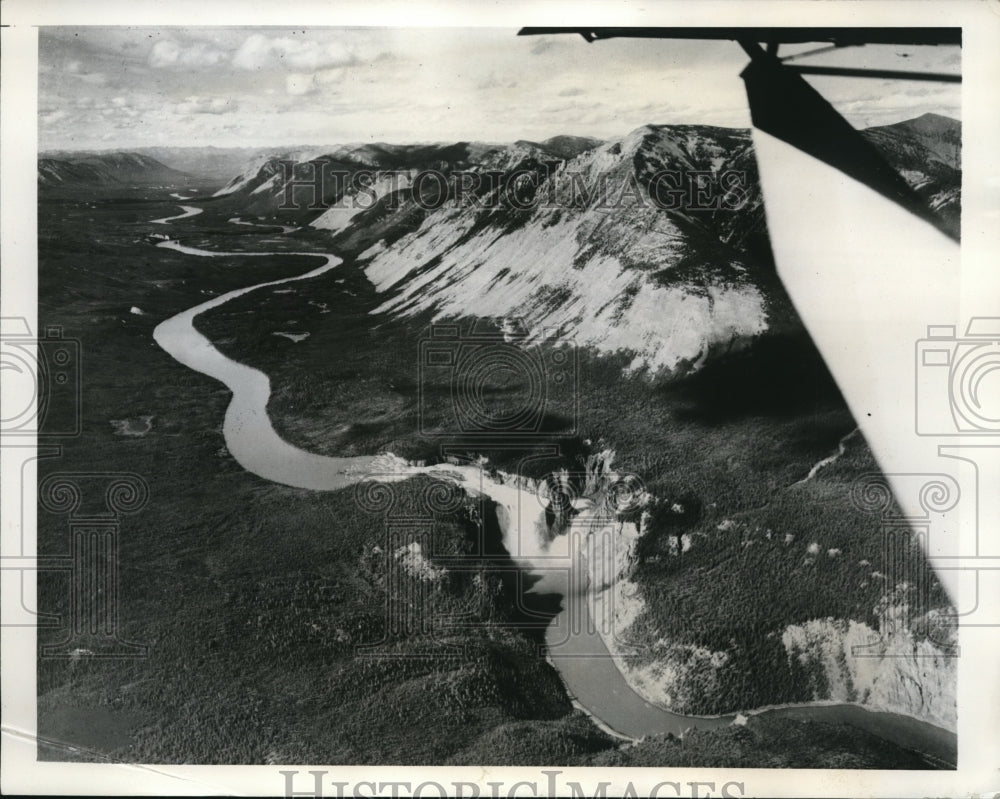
<point>127,87</point>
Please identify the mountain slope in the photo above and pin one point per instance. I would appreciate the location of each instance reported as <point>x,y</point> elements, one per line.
<point>669,278</point>
<point>337,162</point>
<point>941,136</point>
<point>209,163</point>
<point>106,169</point>
<point>654,245</point>
<point>927,152</point>
<point>595,256</point>
<point>568,146</point>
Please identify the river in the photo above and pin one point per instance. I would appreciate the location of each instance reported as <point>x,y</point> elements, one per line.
<point>575,646</point>
<point>189,210</point>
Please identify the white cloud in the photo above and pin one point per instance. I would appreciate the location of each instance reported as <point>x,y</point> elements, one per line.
<point>52,117</point>
<point>408,85</point>
<point>329,76</point>
<point>204,105</point>
<point>93,78</point>
<point>259,51</point>
<point>168,53</point>
<point>299,83</point>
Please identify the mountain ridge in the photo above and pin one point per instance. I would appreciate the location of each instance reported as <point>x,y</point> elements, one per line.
<point>654,244</point>
<point>105,169</point>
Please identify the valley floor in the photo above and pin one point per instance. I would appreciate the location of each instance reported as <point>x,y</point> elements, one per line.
<point>265,607</point>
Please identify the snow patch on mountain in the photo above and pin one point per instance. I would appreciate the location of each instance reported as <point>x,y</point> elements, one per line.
<point>244,178</point>
<point>340,214</point>
<point>296,337</point>
<point>49,171</point>
<point>265,171</point>
<point>536,276</point>
<point>271,181</point>
<point>372,251</point>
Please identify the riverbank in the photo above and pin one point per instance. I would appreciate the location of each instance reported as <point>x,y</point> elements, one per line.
<point>264,607</point>
<point>924,714</point>
<point>586,670</point>
<point>189,211</point>
<point>508,498</point>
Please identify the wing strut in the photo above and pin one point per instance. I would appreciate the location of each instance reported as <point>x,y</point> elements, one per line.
<point>783,104</point>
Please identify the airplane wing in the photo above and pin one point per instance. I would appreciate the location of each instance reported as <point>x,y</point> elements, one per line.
<point>841,37</point>
<point>848,235</point>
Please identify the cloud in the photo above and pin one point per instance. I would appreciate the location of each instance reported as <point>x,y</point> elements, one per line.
<point>52,117</point>
<point>574,92</point>
<point>492,82</point>
<point>168,53</point>
<point>75,69</point>
<point>93,78</point>
<point>204,105</point>
<point>259,51</point>
<point>299,83</point>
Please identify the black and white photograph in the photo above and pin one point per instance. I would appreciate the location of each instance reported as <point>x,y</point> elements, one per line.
<point>616,402</point>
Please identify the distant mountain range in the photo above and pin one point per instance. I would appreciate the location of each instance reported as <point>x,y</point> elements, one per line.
<point>939,135</point>
<point>266,172</point>
<point>591,255</point>
<point>107,169</point>
<point>927,152</point>
<point>211,163</point>
<point>570,233</point>
<point>590,252</point>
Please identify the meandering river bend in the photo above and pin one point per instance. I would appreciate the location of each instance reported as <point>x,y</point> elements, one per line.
<point>576,648</point>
